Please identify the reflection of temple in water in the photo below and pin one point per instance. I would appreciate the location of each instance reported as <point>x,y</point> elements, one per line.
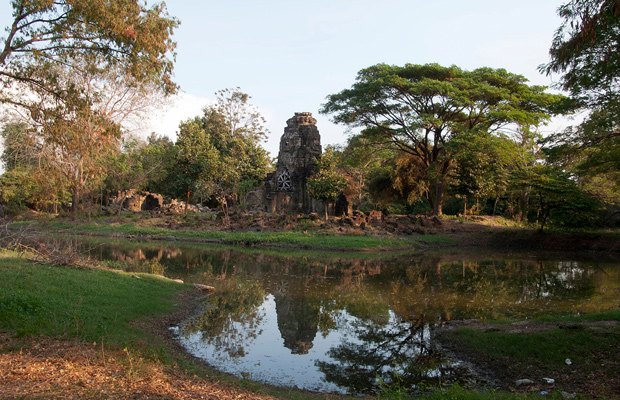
<point>298,320</point>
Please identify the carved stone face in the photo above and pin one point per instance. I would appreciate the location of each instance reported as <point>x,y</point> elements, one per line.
<point>284,181</point>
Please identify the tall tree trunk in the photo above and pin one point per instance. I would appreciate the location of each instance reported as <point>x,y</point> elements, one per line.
<point>495,205</point>
<point>326,208</point>
<point>186,203</point>
<point>75,198</point>
<point>439,192</point>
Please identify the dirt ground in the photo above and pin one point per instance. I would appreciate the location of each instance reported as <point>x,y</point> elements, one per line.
<point>43,368</point>
<point>601,380</point>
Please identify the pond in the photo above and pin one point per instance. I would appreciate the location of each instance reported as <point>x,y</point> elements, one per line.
<point>348,322</point>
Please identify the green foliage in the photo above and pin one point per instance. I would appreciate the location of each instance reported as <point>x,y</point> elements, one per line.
<point>418,109</point>
<point>586,48</point>
<point>18,143</point>
<point>557,198</point>
<point>73,71</point>
<point>16,189</point>
<point>218,154</point>
<point>196,161</point>
<point>123,33</point>
<point>157,160</point>
<point>361,162</point>
<point>327,181</point>
<point>483,165</point>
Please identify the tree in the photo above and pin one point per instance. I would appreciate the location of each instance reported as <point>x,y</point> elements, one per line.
<point>586,50</point>
<point>327,181</point>
<point>124,170</point>
<point>233,128</point>
<point>75,133</point>
<point>483,166</point>
<point>158,158</point>
<point>73,71</point>
<point>359,160</point>
<point>29,178</point>
<point>196,162</point>
<point>418,109</point>
<point>557,197</point>
<point>121,34</point>
<point>240,118</point>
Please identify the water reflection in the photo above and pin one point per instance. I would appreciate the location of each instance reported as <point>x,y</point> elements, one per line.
<point>396,350</point>
<point>345,322</point>
<point>235,305</point>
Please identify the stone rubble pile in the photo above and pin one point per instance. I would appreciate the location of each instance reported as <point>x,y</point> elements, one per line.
<point>138,201</point>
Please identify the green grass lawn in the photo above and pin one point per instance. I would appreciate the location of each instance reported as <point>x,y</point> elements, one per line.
<point>287,238</point>
<point>90,304</point>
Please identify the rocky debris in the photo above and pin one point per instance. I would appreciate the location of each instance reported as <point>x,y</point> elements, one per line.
<point>139,201</point>
<point>375,217</point>
<point>205,288</point>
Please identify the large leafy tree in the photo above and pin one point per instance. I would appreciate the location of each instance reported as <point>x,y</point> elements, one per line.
<point>196,162</point>
<point>121,33</point>
<point>29,179</point>
<point>76,132</point>
<point>418,109</point>
<point>359,161</point>
<point>74,70</point>
<point>235,128</point>
<point>484,164</point>
<point>586,51</point>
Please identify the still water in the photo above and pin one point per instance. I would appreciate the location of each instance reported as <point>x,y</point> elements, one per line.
<point>345,322</point>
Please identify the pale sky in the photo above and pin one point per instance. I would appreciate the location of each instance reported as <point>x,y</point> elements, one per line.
<point>289,55</point>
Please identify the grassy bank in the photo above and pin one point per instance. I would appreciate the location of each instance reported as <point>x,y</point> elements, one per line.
<point>306,239</point>
<point>579,353</point>
<point>92,333</point>
<point>89,304</point>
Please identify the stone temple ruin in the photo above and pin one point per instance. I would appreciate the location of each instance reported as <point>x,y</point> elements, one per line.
<point>286,189</point>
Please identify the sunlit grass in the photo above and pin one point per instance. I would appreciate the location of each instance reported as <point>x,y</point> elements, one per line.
<point>286,238</point>
<point>90,304</point>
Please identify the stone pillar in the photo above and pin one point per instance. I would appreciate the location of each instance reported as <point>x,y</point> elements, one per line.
<point>286,189</point>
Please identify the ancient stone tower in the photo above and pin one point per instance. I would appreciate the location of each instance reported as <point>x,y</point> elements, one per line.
<point>286,189</point>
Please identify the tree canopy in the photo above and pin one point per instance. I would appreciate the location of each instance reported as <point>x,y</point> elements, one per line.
<point>121,33</point>
<point>418,109</point>
<point>586,49</point>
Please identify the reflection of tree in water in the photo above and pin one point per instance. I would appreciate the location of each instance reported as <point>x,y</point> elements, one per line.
<point>398,350</point>
<point>491,289</point>
<point>230,319</point>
